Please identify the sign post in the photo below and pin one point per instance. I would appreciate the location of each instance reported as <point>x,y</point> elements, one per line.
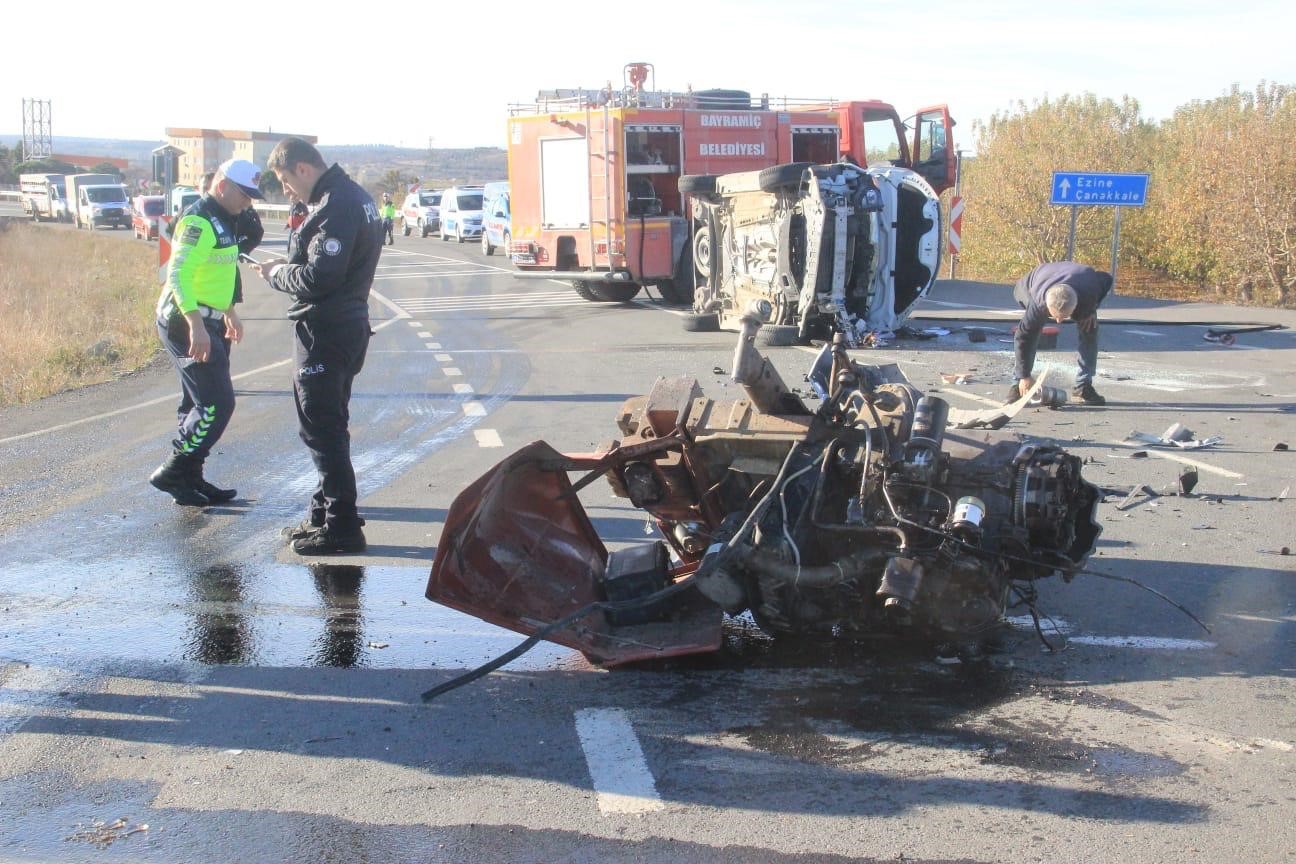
<point>1077,189</point>
<point>956,214</point>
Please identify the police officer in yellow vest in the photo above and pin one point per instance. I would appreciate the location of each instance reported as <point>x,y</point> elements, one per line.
<point>196,320</point>
<point>388,212</point>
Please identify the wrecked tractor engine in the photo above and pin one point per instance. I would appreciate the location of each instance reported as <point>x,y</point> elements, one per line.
<point>862,518</point>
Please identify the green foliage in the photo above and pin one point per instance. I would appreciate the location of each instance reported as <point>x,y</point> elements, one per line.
<point>46,166</point>
<point>106,168</point>
<point>1221,208</point>
<point>394,182</point>
<point>270,186</point>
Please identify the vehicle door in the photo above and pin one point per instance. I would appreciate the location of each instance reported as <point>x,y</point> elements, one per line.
<point>450,211</point>
<point>933,146</point>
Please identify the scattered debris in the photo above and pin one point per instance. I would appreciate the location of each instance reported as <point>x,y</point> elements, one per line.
<point>1139,454</point>
<point>1187,481</point>
<point>378,645</point>
<point>322,740</point>
<point>232,752</point>
<point>1136,496</point>
<point>1282,496</point>
<point>975,335</point>
<point>104,834</point>
<point>1178,435</point>
<point>717,370</point>
<point>1227,336</point>
<point>957,377</point>
<point>1281,445</point>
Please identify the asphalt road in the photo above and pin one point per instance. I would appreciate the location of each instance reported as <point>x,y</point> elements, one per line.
<point>180,669</point>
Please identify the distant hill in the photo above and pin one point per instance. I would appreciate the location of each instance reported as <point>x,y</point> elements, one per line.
<point>366,162</point>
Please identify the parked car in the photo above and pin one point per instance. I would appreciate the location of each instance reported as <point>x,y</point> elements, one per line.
<point>461,213</point>
<point>496,224</point>
<point>146,214</point>
<point>421,212</point>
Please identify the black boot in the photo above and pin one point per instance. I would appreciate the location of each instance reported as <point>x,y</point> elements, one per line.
<point>213,492</point>
<point>175,477</point>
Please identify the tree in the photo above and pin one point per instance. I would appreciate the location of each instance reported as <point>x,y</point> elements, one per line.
<point>106,168</point>
<point>1009,226</point>
<point>394,182</point>
<point>270,186</point>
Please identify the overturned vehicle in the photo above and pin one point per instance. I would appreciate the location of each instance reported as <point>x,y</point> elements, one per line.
<point>863,518</point>
<point>830,247</point>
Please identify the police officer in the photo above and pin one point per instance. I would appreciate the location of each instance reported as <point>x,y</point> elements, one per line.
<point>388,219</point>
<point>197,323</point>
<point>1062,291</point>
<point>328,273</point>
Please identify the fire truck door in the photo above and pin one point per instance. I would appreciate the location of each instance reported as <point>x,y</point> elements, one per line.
<point>933,146</point>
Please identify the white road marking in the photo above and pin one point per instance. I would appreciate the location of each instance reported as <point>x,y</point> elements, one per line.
<point>1183,460</point>
<point>451,371</point>
<point>462,388</point>
<point>976,397</point>
<point>487,438</point>
<point>415,323</point>
<point>435,346</point>
<point>1157,643</point>
<point>616,762</point>
<point>440,275</point>
<point>1284,619</point>
<point>473,408</point>
<point>400,315</point>
<point>1151,333</point>
<point>443,358</point>
<point>423,334</point>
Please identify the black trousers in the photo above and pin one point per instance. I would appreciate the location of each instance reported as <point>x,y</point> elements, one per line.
<point>328,358</point>
<point>207,394</point>
<point>390,238</point>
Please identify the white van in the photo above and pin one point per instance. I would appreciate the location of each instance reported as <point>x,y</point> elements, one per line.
<point>461,213</point>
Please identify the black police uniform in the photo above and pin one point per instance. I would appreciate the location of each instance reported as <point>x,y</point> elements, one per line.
<point>331,264</point>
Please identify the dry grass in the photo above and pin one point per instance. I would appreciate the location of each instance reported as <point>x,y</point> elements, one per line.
<point>83,306</point>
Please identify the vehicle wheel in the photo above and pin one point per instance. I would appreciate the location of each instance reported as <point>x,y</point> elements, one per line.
<point>614,292</point>
<point>445,238</point>
<point>423,229</point>
<point>459,238</point>
<point>679,289</point>
<point>697,184</point>
<point>487,248</point>
<point>405,227</point>
<point>507,245</point>
<point>778,177</point>
<point>708,323</point>
<point>702,251</point>
<point>584,290</point>
<point>777,335</point>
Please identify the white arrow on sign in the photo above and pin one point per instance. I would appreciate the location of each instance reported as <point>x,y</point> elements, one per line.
<point>1064,186</point>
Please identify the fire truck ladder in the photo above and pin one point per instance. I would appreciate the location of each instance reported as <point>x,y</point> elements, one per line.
<point>607,156</point>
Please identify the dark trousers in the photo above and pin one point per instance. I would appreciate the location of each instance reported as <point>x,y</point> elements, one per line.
<point>328,358</point>
<point>1086,355</point>
<point>207,394</point>
<point>387,230</point>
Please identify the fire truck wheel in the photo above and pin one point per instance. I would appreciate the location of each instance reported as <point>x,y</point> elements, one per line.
<point>781,176</point>
<point>584,290</point>
<point>614,292</point>
<point>679,288</point>
<point>708,323</point>
<point>777,336</point>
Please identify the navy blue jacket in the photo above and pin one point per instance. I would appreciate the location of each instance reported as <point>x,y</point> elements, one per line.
<point>333,256</point>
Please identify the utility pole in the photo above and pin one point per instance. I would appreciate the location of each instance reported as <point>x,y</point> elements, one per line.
<point>37,140</point>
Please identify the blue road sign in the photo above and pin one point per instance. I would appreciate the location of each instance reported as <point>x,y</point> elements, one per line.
<point>1111,190</point>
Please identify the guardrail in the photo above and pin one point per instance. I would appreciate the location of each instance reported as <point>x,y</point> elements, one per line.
<point>262,208</point>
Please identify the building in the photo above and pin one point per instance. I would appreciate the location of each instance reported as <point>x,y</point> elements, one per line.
<point>204,150</point>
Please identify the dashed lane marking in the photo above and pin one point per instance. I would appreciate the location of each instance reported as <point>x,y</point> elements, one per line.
<point>487,438</point>
<point>1182,460</point>
<point>443,358</point>
<point>462,388</point>
<point>616,762</point>
<point>423,334</point>
<point>451,371</point>
<point>473,408</point>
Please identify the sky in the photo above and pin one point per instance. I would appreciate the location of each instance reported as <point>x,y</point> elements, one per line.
<point>418,73</point>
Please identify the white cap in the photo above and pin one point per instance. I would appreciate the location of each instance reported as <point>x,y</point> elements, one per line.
<point>243,174</point>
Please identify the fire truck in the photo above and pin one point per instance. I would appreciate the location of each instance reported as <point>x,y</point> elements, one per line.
<point>594,173</point>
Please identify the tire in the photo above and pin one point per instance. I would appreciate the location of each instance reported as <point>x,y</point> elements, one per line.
<point>487,248</point>
<point>584,290</point>
<point>445,238</point>
<point>459,238</point>
<point>423,229</point>
<point>614,292</point>
<point>405,227</point>
<point>507,245</point>
<point>697,184</point>
<point>679,289</point>
<point>778,177</point>
<point>708,323</point>
<point>777,335</point>
<point>702,251</point>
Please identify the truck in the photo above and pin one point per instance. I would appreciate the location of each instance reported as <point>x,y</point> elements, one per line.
<point>44,196</point>
<point>594,174</point>
<point>97,199</point>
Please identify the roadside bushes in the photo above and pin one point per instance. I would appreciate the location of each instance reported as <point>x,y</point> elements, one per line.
<point>1221,210</point>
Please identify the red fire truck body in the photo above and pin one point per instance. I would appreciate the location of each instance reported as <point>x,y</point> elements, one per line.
<point>593,174</point>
